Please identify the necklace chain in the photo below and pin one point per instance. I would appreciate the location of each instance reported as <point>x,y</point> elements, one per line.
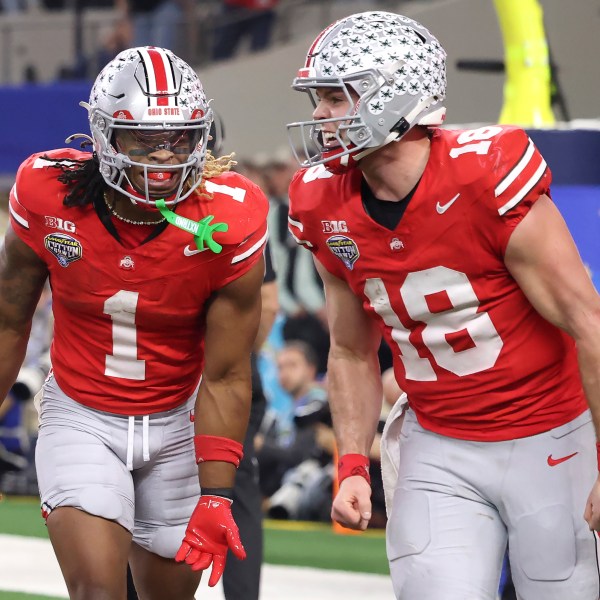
<point>114,213</point>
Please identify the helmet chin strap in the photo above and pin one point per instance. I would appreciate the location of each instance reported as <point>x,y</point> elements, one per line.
<point>392,137</point>
<point>434,118</point>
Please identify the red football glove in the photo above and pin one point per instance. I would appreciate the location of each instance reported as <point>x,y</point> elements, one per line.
<point>209,534</point>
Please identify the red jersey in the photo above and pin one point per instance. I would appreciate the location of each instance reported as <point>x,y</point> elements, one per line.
<point>475,358</point>
<point>129,323</point>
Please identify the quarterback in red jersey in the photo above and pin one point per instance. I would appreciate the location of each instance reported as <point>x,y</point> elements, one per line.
<point>154,252</point>
<point>447,243</point>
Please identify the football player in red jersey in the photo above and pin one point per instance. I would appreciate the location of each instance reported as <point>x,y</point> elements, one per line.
<point>448,244</point>
<point>154,251</point>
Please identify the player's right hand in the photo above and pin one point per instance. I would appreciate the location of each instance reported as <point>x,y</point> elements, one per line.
<point>352,504</point>
<point>209,534</point>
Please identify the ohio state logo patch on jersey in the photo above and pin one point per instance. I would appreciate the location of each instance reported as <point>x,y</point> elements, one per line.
<point>127,263</point>
<point>344,248</point>
<point>65,248</point>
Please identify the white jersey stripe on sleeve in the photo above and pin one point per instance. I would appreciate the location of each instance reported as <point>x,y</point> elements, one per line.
<point>299,227</point>
<point>517,170</point>
<point>524,190</point>
<point>296,224</point>
<point>238,258</point>
<point>299,241</point>
<point>17,217</point>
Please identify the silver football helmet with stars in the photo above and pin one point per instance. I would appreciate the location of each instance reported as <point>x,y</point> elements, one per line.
<point>395,66</point>
<point>156,97</point>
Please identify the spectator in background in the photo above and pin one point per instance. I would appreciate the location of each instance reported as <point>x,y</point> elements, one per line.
<point>299,283</point>
<point>254,172</point>
<point>113,40</point>
<point>297,367</point>
<point>14,443</point>
<point>152,22</point>
<point>300,290</point>
<point>18,417</point>
<point>241,578</point>
<point>17,6</point>
<point>240,19</point>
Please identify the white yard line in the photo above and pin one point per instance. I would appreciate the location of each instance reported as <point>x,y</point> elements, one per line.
<point>28,565</point>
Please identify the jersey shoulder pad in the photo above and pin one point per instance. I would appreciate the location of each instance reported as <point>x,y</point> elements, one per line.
<point>310,191</point>
<point>239,203</point>
<point>37,188</point>
<point>309,186</point>
<point>507,147</point>
<point>517,170</point>
<point>498,161</point>
<point>310,175</point>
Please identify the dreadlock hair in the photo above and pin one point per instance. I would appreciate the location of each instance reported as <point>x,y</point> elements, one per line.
<point>213,167</point>
<point>86,184</point>
<point>82,177</point>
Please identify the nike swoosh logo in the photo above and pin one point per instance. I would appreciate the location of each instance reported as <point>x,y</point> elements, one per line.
<point>442,208</point>
<point>189,252</point>
<point>556,461</point>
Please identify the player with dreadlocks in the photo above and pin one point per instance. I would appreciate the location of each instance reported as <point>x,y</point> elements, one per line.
<point>154,250</point>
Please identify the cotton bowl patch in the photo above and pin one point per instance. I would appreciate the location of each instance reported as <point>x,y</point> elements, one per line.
<point>344,248</point>
<point>65,248</point>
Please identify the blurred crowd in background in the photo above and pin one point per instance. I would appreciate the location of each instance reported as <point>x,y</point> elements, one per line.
<point>295,445</point>
<point>199,31</point>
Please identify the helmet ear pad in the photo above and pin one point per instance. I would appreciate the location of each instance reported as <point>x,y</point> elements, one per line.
<point>152,90</point>
<point>396,67</point>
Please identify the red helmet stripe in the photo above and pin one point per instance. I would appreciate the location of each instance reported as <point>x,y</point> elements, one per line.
<point>159,76</point>
<point>315,45</point>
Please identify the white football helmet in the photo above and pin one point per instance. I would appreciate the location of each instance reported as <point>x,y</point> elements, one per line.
<point>157,97</point>
<point>397,68</point>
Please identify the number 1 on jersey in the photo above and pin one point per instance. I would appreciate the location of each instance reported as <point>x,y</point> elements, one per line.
<point>123,362</point>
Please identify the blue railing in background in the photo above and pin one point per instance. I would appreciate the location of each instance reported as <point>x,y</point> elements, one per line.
<point>40,117</point>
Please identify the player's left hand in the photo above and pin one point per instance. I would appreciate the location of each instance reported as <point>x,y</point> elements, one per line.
<point>209,534</point>
<point>592,508</point>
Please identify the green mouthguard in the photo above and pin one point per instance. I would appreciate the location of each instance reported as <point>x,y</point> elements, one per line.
<point>201,230</point>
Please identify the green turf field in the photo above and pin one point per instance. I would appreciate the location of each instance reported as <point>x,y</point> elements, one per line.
<point>17,596</point>
<point>286,543</point>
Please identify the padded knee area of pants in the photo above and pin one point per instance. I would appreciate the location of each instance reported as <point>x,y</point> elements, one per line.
<point>409,529</point>
<point>164,541</point>
<point>101,502</point>
<point>546,544</point>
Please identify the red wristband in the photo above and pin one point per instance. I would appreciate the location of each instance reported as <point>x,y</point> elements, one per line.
<point>353,464</point>
<point>212,447</point>
<point>598,453</point>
